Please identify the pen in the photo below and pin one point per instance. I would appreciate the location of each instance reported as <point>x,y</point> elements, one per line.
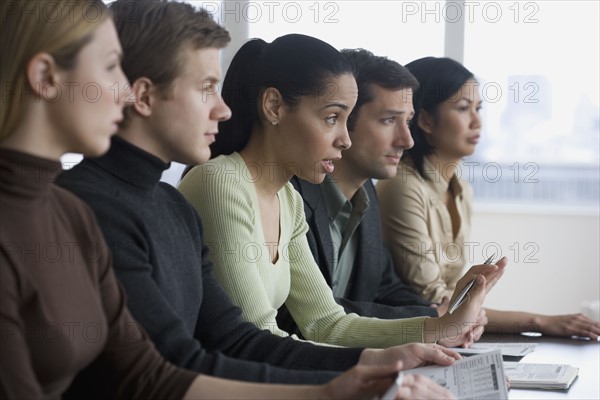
<point>461,297</point>
<point>391,392</point>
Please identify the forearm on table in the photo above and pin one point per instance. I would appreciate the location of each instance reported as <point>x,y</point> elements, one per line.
<point>511,321</point>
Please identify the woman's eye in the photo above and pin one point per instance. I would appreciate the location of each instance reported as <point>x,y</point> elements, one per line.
<point>331,120</point>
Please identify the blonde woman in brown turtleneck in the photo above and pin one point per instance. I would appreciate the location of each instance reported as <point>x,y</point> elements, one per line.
<point>61,308</point>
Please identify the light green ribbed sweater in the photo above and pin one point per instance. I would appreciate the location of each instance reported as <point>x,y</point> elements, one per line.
<point>223,193</point>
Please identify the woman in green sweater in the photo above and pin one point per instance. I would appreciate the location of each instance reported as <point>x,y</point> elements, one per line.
<point>290,101</point>
<point>61,307</point>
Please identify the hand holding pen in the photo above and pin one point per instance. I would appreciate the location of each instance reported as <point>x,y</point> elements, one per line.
<point>470,316</point>
<point>463,294</point>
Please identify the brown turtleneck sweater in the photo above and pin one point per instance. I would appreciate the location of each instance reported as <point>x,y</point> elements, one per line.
<point>61,307</point>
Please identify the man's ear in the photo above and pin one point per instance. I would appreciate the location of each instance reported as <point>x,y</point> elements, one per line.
<point>272,105</point>
<point>144,92</point>
<point>43,76</point>
<point>425,121</point>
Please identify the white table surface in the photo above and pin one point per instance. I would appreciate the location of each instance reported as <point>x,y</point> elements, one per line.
<point>583,354</point>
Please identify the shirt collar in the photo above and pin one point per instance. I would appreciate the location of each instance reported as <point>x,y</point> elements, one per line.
<point>439,183</point>
<point>27,176</point>
<point>132,164</point>
<point>335,200</point>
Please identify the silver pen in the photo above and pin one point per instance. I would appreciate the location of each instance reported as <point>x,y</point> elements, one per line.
<point>463,294</point>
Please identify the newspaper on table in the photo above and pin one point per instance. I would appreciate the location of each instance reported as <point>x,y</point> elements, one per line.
<point>540,376</point>
<point>478,377</point>
<point>508,349</point>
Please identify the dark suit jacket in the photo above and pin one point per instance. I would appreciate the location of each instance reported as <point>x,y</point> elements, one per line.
<point>374,289</point>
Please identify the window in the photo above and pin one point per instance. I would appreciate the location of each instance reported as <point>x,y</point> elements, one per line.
<point>538,65</point>
<point>537,62</point>
<point>391,28</point>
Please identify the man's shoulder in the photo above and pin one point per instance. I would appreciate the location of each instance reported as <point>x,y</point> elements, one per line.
<point>311,194</point>
<point>89,183</point>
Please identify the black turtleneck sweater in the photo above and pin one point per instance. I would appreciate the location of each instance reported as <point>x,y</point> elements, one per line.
<point>156,238</point>
<point>61,307</point>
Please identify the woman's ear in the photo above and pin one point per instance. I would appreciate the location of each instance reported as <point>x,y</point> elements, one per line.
<point>272,105</point>
<point>144,91</point>
<point>425,121</point>
<point>43,77</point>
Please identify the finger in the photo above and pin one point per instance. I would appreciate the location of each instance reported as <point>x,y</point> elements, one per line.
<point>587,332</point>
<point>444,305</point>
<point>482,318</point>
<point>490,271</point>
<point>450,353</point>
<point>421,387</point>
<point>587,323</point>
<point>494,277</point>
<point>579,325</point>
<point>405,391</point>
<point>478,291</point>
<point>438,355</point>
<point>468,342</point>
<point>479,269</point>
<point>438,392</point>
<point>477,332</point>
<point>502,263</point>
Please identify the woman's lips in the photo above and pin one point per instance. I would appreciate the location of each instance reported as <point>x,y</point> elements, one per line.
<point>328,166</point>
<point>473,139</point>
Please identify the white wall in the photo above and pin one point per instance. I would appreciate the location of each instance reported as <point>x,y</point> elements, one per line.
<point>562,269</point>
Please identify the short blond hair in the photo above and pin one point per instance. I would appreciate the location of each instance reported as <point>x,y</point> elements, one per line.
<point>59,27</point>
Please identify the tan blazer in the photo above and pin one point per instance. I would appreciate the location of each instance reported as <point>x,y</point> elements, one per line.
<point>418,230</point>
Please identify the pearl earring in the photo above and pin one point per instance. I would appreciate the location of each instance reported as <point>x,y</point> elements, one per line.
<point>274,122</point>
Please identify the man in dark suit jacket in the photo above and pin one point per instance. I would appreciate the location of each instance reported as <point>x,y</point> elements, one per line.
<point>343,211</point>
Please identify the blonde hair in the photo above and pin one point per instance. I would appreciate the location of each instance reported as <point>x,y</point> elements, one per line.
<point>60,28</point>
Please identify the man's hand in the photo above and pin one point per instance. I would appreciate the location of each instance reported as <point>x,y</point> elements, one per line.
<point>412,355</point>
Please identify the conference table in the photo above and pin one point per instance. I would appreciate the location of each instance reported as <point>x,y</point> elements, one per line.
<point>584,354</point>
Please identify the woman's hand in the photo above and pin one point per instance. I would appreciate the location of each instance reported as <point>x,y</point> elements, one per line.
<point>412,355</point>
<point>471,335</point>
<point>568,325</point>
<point>442,308</point>
<point>466,324</point>
<point>491,272</point>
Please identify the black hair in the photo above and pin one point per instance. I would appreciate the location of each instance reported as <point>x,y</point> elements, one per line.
<point>296,65</point>
<point>439,80</point>
<point>370,70</point>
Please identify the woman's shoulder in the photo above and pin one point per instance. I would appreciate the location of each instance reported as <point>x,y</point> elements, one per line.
<point>221,167</point>
<point>68,205</point>
<point>407,180</point>
<point>222,182</point>
<point>291,197</point>
<point>224,172</point>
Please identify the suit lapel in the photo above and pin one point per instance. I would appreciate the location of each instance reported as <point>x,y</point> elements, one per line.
<point>318,221</point>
